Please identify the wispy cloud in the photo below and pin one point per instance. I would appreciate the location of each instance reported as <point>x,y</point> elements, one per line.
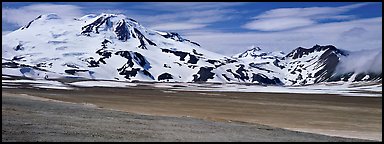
<point>177,26</point>
<point>341,34</point>
<point>155,15</point>
<point>194,15</point>
<point>288,18</point>
<point>187,6</point>
<point>276,24</point>
<point>21,16</point>
<point>361,61</point>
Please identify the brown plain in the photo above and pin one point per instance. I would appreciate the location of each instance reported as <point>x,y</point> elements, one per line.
<point>358,116</point>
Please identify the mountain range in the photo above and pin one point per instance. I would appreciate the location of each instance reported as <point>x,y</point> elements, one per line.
<point>116,47</point>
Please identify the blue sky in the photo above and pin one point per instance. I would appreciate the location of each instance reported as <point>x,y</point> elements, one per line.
<point>229,27</point>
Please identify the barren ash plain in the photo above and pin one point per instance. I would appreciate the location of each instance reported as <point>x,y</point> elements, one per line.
<point>77,111</point>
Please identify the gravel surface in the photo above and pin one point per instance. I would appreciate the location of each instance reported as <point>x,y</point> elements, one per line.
<point>26,119</point>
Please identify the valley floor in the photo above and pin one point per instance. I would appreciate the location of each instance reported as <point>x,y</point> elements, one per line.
<point>145,113</point>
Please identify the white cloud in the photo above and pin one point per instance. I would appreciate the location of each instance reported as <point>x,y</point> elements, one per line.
<point>187,6</point>
<point>361,61</point>
<point>308,12</point>
<point>206,16</point>
<point>354,32</point>
<point>278,24</point>
<point>177,16</point>
<point>194,15</point>
<point>340,34</point>
<point>112,11</point>
<point>288,18</point>
<point>21,16</point>
<point>177,26</point>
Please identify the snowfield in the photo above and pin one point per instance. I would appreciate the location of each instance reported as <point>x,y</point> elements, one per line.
<point>101,84</point>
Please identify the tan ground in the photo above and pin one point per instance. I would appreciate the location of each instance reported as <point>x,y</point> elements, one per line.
<point>355,117</point>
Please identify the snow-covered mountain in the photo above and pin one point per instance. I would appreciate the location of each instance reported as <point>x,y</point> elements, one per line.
<point>115,47</point>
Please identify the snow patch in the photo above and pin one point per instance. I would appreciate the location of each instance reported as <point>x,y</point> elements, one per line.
<point>102,84</point>
<point>53,87</point>
<point>339,89</point>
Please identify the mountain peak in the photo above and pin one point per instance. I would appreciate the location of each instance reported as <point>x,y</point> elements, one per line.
<point>117,16</point>
<point>254,48</point>
<point>252,51</point>
<point>106,21</point>
<point>49,16</point>
<point>300,51</point>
